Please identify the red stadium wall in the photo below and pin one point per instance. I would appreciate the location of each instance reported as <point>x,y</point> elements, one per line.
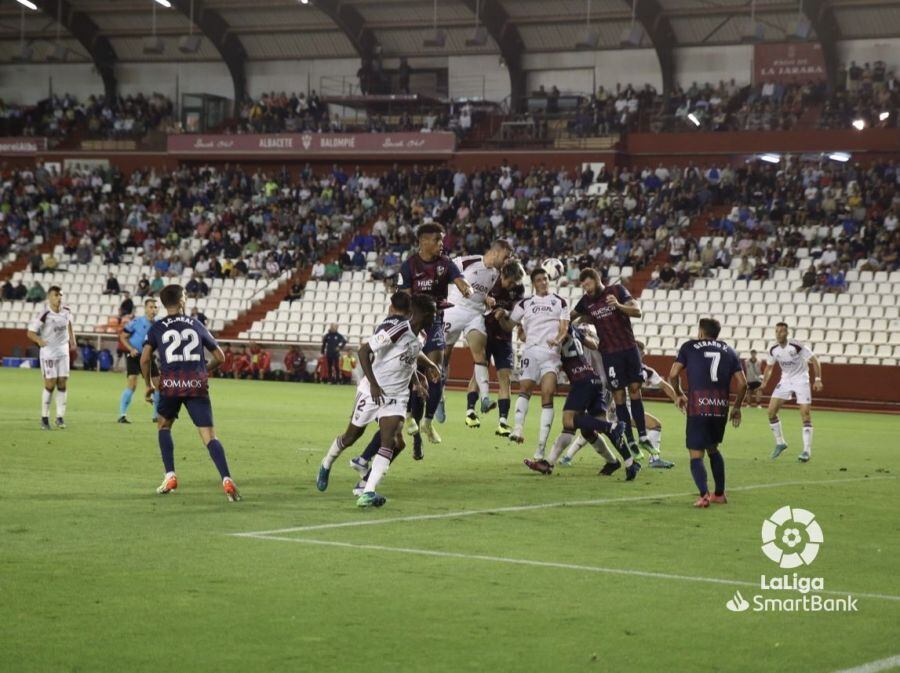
<point>864,387</point>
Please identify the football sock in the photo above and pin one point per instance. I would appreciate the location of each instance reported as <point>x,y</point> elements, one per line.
<point>807,436</point>
<point>585,422</point>
<point>503,407</point>
<point>379,466</point>
<point>521,411</point>
<point>167,449</point>
<point>717,464</point>
<point>217,453</point>
<point>46,395</point>
<point>373,446</point>
<point>564,439</point>
<point>156,403</point>
<point>624,417</point>
<point>337,447</point>
<point>655,437</point>
<point>481,378</point>
<point>546,424</point>
<point>435,392</point>
<point>61,396</point>
<point>125,401</point>
<point>471,399</point>
<point>775,425</point>
<point>577,444</point>
<point>637,413</point>
<point>698,471</point>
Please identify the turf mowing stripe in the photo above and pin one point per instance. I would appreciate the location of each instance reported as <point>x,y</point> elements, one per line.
<point>548,505</point>
<point>550,564</point>
<point>874,666</point>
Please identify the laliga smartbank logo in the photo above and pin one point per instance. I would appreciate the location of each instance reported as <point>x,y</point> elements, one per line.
<point>791,537</point>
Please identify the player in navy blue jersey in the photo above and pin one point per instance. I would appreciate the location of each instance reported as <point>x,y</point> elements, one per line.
<point>610,310</point>
<point>585,410</point>
<point>711,366</point>
<point>179,341</point>
<point>430,272</point>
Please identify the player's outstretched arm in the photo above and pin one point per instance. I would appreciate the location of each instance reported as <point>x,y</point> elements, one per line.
<point>741,381</point>
<point>463,286</point>
<point>817,367</point>
<point>72,343</point>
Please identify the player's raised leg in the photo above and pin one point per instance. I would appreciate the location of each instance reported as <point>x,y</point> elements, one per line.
<point>478,346</point>
<point>341,442</point>
<point>472,420</point>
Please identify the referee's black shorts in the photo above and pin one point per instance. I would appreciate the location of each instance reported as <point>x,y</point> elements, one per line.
<point>133,366</point>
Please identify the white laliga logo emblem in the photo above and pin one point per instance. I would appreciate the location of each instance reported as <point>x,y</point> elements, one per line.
<point>788,549</point>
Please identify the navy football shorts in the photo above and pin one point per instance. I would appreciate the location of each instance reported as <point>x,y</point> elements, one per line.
<point>705,432</point>
<point>586,397</point>
<point>434,336</point>
<point>133,366</point>
<point>501,352</point>
<point>198,408</point>
<point>623,368</point>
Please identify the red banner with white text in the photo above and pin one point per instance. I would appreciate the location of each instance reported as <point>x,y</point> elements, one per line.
<point>788,63</point>
<point>313,144</point>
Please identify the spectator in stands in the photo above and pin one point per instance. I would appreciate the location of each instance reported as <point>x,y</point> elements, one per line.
<point>296,292</point>
<point>332,271</point>
<point>196,287</point>
<point>359,260</point>
<point>332,344</point>
<point>318,271</point>
<point>157,284</point>
<point>745,268</point>
<point>36,293</point>
<point>85,251</point>
<point>143,287</point>
<point>667,277</point>
<point>51,264</point>
<point>836,282</point>
<point>127,305</point>
<point>36,261</point>
<point>753,369</point>
<point>8,292</point>
<point>112,285</point>
<point>20,291</point>
<point>197,314</point>
<point>348,364</point>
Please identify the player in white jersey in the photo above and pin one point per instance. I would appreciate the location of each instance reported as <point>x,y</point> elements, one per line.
<point>651,380</point>
<point>544,317</point>
<point>793,358</point>
<point>466,317</point>
<point>389,360</point>
<point>51,329</point>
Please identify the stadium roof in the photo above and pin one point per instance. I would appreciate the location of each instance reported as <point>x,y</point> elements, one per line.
<point>237,31</point>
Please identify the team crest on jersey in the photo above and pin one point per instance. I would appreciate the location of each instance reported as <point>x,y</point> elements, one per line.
<point>441,269</point>
<point>553,302</point>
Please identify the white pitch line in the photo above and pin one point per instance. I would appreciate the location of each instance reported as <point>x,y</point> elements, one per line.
<point>546,564</point>
<point>874,666</point>
<point>527,508</point>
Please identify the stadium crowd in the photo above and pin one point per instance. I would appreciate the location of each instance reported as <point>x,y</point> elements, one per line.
<point>58,117</point>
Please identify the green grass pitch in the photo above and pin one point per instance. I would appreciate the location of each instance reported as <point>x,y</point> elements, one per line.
<point>98,573</point>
